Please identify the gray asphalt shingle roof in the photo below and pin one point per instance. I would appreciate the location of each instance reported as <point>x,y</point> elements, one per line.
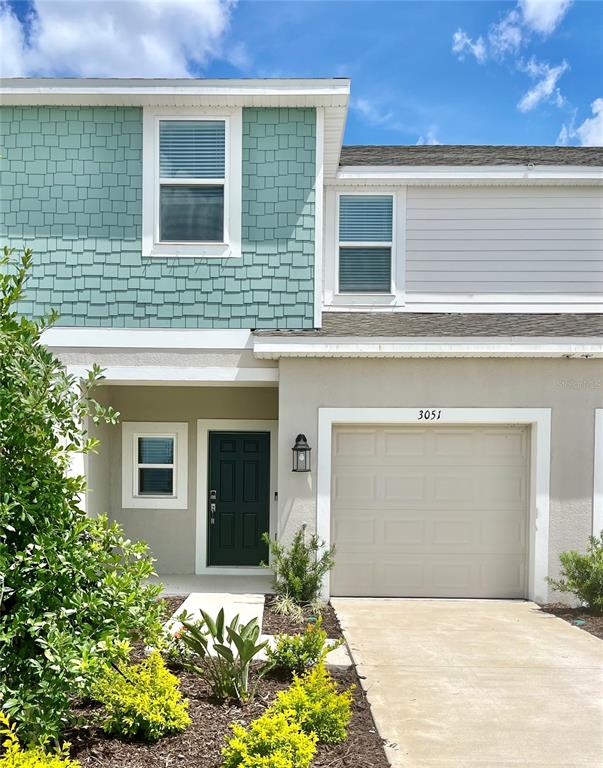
<point>417,324</point>
<point>466,154</point>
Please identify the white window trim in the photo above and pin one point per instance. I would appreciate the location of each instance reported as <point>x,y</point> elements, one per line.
<point>539,419</point>
<point>233,183</point>
<point>396,297</point>
<point>130,432</point>
<point>204,427</point>
<point>598,474</point>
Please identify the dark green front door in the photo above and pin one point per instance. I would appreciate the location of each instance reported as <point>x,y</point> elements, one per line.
<point>239,497</point>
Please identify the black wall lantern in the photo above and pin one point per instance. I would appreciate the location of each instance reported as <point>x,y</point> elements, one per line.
<point>301,454</point>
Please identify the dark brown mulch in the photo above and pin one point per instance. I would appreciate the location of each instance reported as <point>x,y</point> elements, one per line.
<point>171,605</point>
<point>275,624</point>
<point>578,617</point>
<point>200,745</point>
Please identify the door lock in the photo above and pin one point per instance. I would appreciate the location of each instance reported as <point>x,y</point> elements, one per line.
<point>212,507</point>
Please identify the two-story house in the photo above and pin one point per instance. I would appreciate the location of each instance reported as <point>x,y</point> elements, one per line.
<point>429,318</point>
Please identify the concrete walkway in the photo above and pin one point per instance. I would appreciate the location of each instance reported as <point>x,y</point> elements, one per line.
<point>488,683</point>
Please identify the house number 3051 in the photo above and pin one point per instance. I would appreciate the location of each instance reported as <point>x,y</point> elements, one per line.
<point>429,414</point>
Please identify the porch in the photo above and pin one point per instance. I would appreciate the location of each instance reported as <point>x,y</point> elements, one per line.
<point>192,471</point>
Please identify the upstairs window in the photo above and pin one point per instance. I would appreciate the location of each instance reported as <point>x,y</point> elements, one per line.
<point>365,243</point>
<point>191,181</point>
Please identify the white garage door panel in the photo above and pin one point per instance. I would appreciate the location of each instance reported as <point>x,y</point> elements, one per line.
<point>430,511</point>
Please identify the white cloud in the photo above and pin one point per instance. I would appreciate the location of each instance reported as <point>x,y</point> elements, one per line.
<point>513,32</point>
<point>589,133</point>
<point>92,38</point>
<point>430,138</point>
<point>507,36</point>
<point>462,45</point>
<point>373,113</point>
<point>13,43</point>
<point>546,88</point>
<point>544,16</point>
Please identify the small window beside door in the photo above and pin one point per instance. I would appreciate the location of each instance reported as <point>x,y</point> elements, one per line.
<point>154,465</point>
<point>365,243</point>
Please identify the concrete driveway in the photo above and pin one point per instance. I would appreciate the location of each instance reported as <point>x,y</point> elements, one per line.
<point>488,683</point>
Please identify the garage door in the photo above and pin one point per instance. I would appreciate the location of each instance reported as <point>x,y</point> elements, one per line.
<point>430,511</point>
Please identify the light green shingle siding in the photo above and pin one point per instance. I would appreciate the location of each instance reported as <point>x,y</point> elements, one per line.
<point>71,183</point>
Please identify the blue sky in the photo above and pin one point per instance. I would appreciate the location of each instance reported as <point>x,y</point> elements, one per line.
<point>525,72</point>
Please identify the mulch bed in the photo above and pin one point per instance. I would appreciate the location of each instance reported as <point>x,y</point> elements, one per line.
<point>275,624</point>
<point>171,605</point>
<point>578,617</point>
<point>200,745</point>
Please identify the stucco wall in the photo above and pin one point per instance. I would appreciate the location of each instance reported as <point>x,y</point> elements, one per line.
<point>571,388</point>
<point>169,533</point>
<point>72,179</point>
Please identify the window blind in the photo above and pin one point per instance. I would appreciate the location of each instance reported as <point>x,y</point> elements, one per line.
<point>190,149</point>
<point>155,450</point>
<point>365,270</point>
<point>365,218</point>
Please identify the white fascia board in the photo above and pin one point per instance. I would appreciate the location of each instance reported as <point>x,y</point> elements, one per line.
<point>135,91</point>
<point>474,303</point>
<point>144,375</point>
<point>470,174</point>
<point>148,338</point>
<point>275,348</point>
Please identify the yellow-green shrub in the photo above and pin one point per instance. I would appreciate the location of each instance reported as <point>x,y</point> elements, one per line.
<point>15,756</point>
<point>313,702</point>
<point>271,741</point>
<point>142,700</point>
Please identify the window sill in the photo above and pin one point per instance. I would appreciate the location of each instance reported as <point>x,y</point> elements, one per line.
<point>365,300</point>
<point>195,251</point>
<point>153,502</point>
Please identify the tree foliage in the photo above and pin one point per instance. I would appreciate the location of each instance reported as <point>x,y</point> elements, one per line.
<point>72,589</point>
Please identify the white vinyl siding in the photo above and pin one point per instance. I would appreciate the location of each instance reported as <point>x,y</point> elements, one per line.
<point>504,240</point>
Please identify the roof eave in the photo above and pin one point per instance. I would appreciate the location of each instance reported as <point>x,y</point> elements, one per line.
<point>472,174</point>
<point>274,348</point>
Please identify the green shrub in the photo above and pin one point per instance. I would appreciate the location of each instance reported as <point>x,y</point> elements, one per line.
<point>298,570</point>
<point>234,647</point>
<point>313,702</point>
<point>296,653</point>
<point>15,756</point>
<point>73,589</point>
<point>271,741</point>
<point>582,575</point>
<point>143,700</point>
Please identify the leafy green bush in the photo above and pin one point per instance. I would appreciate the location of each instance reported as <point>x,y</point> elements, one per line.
<point>313,702</point>
<point>72,590</point>
<point>582,575</point>
<point>299,570</point>
<point>296,653</point>
<point>143,700</point>
<point>271,741</point>
<point>234,647</point>
<point>31,757</point>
